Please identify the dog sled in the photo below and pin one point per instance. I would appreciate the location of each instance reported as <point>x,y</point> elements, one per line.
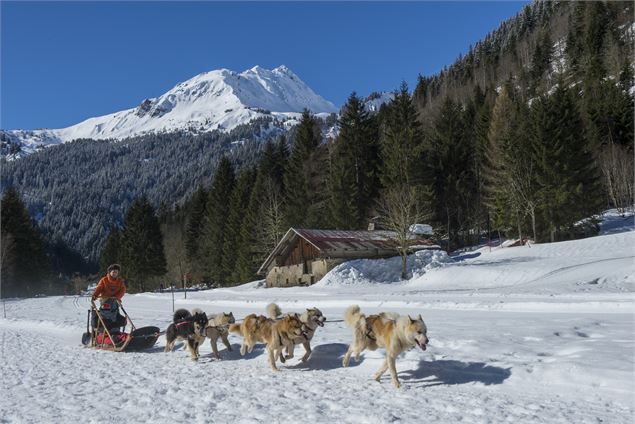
<point>105,334</point>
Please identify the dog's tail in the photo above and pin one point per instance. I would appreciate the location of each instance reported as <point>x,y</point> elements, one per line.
<point>181,314</point>
<point>352,316</point>
<point>273,310</point>
<point>234,328</point>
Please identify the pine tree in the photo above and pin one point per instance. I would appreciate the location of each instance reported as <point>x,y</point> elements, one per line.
<point>495,169</point>
<point>195,224</point>
<point>481,129</point>
<point>541,59</point>
<point>303,187</point>
<point>111,253</point>
<point>238,203</point>
<point>566,173</point>
<point>451,168</point>
<point>250,249</point>
<point>142,254</point>
<point>353,175</point>
<point>274,161</point>
<point>25,267</point>
<point>401,143</point>
<point>216,220</point>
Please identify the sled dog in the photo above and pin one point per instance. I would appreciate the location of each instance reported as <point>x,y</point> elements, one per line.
<point>249,329</point>
<point>187,326</point>
<point>275,334</point>
<point>311,319</point>
<point>218,327</point>
<point>391,331</point>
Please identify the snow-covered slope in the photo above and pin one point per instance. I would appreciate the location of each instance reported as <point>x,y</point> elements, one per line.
<point>520,334</point>
<point>216,100</point>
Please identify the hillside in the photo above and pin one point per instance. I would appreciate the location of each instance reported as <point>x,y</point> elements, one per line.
<point>582,40</point>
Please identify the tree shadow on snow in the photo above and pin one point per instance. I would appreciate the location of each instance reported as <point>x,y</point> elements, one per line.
<point>464,256</point>
<point>455,372</point>
<point>501,262</point>
<point>323,357</point>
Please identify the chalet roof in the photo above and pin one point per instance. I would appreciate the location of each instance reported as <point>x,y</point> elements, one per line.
<point>330,240</point>
<point>332,243</point>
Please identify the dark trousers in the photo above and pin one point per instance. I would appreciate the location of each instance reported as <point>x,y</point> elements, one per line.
<point>115,324</point>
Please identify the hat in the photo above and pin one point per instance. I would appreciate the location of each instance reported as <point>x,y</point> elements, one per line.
<point>114,267</point>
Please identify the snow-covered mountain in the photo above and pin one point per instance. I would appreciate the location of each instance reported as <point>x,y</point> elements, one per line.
<point>215,100</point>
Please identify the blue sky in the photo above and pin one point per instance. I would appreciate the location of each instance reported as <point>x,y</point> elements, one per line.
<point>64,62</point>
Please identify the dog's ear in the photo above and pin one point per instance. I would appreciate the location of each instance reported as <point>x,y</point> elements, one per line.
<point>419,317</point>
<point>411,320</point>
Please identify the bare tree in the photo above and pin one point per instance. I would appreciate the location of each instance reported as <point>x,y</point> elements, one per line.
<point>399,208</point>
<point>618,167</point>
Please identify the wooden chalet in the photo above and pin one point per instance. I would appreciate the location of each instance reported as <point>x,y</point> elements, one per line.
<point>304,256</point>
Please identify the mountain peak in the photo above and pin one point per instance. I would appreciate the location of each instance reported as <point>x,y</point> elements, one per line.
<point>215,100</point>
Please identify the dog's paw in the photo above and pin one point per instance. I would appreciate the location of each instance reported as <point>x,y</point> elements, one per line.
<point>396,383</point>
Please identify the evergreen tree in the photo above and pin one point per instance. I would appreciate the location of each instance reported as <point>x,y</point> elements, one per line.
<point>142,254</point>
<point>401,143</point>
<point>451,167</point>
<point>215,221</point>
<point>481,129</point>
<point>566,172</point>
<point>111,253</point>
<point>250,248</point>
<point>25,267</point>
<point>509,166</point>
<point>541,59</point>
<point>238,204</point>
<point>194,229</point>
<point>274,161</point>
<point>303,181</point>
<point>353,176</point>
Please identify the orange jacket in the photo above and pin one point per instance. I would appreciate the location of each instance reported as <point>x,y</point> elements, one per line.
<point>110,287</point>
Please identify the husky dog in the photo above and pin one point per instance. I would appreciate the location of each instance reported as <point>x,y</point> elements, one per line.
<point>249,329</point>
<point>218,327</point>
<point>280,334</point>
<point>311,319</point>
<point>391,331</point>
<point>275,334</point>
<point>187,326</point>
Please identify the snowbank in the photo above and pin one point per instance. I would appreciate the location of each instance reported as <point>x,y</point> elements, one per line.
<point>384,271</point>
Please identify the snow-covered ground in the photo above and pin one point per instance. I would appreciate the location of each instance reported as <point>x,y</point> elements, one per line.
<point>524,334</point>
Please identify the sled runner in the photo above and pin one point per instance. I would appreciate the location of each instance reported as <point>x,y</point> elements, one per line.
<point>103,333</point>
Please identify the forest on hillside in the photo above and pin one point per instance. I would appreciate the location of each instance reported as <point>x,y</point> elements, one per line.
<point>526,135</point>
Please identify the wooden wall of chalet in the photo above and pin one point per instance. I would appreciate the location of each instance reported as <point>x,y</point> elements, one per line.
<point>302,251</point>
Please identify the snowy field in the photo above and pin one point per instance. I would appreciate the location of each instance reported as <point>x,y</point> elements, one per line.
<point>524,334</point>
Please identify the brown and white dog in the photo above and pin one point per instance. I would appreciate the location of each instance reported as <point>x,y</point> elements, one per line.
<point>391,331</point>
<point>276,334</point>
<point>249,329</point>
<point>311,319</point>
<point>218,327</point>
<point>189,327</point>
